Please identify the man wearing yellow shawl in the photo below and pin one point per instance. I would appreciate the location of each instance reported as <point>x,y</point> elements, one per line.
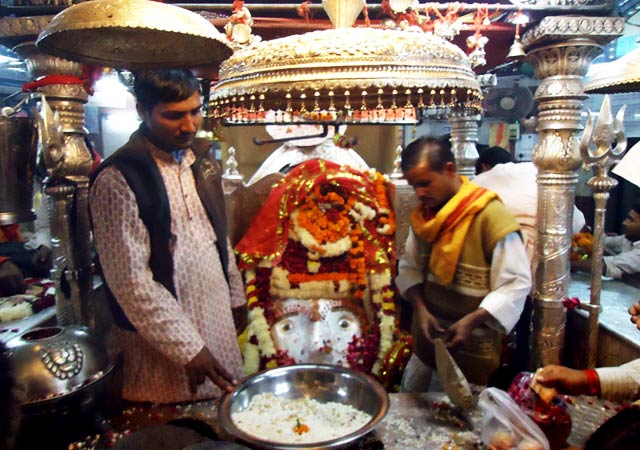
<point>465,269</point>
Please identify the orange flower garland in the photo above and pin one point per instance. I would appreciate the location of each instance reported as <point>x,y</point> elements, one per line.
<point>581,246</point>
<point>325,226</point>
<point>334,232</point>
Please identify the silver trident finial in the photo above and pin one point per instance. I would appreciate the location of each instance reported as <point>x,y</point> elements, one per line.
<point>232,166</point>
<point>601,156</point>
<point>231,178</point>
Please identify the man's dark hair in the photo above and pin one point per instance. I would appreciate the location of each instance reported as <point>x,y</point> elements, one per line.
<point>493,156</point>
<point>436,150</point>
<point>636,207</point>
<point>164,85</point>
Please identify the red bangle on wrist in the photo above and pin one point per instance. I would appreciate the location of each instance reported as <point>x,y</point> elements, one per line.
<point>593,381</point>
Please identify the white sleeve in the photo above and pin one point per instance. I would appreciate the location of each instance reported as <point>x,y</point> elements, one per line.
<point>510,283</point>
<point>578,220</point>
<point>614,245</point>
<point>626,263</point>
<point>410,270</point>
<point>620,383</point>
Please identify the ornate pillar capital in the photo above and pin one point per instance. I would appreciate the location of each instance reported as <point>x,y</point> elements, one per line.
<point>559,29</point>
<point>561,49</point>
<point>68,101</point>
<point>14,30</point>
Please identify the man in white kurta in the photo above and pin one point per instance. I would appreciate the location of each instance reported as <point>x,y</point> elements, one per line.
<point>517,187</point>
<point>501,287</point>
<point>180,341</point>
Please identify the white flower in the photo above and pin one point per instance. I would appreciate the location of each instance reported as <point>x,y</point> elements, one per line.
<point>259,328</point>
<point>387,328</point>
<point>361,212</point>
<point>331,249</point>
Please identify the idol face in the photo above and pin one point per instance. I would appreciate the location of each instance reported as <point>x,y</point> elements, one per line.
<point>316,331</point>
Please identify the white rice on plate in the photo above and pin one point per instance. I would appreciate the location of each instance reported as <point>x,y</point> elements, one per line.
<point>278,420</point>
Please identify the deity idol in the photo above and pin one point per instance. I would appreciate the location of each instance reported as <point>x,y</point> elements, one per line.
<point>317,262</point>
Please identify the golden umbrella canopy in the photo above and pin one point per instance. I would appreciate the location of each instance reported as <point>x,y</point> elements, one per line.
<point>615,77</point>
<point>133,34</point>
<point>359,75</point>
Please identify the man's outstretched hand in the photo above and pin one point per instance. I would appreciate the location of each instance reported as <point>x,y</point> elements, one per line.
<point>204,365</point>
<point>565,380</point>
<point>425,323</point>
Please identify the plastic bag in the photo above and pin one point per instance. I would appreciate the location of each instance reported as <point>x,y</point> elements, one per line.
<point>506,426</point>
<point>551,416</point>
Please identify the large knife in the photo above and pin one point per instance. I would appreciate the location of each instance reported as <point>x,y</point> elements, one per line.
<point>453,381</point>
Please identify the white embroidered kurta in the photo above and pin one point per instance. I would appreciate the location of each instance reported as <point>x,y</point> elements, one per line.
<point>170,333</point>
<point>620,383</point>
<point>517,187</point>
<point>626,262</point>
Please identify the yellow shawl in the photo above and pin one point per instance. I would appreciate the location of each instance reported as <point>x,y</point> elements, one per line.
<point>447,228</point>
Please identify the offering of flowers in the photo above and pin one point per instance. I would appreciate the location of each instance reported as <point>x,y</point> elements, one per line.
<point>581,246</point>
<point>295,421</point>
<point>318,263</point>
<point>40,294</point>
<point>549,413</point>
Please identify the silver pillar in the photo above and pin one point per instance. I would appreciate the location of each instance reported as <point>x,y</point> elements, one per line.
<point>561,49</point>
<point>68,162</point>
<point>464,135</point>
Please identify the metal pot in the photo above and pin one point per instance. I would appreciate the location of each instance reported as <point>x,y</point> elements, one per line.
<point>321,382</point>
<point>58,363</point>
<point>17,165</point>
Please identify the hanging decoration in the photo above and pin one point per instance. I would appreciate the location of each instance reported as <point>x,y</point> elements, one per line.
<point>516,51</point>
<point>476,42</point>
<point>238,29</point>
<point>403,15</point>
<point>447,25</point>
<point>347,75</point>
<point>304,11</point>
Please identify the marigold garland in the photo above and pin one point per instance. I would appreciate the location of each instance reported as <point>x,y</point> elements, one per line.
<point>339,244</point>
<point>323,216</point>
<point>581,246</point>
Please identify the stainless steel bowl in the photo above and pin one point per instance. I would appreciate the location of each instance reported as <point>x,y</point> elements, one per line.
<point>323,383</point>
<point>53,363</point>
